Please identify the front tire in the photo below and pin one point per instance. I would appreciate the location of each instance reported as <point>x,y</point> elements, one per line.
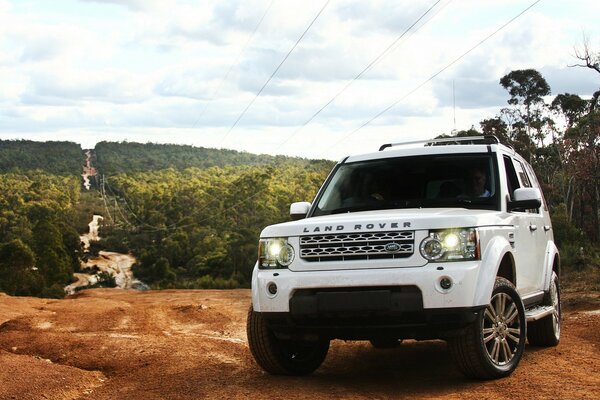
<point>546,331</point>
<point>493,344</point>
<point>279,356</point>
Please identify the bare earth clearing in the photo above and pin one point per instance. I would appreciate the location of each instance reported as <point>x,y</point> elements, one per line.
<point>185,344</point>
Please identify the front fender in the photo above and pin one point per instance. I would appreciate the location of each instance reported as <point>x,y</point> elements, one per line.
<point>491,259</point>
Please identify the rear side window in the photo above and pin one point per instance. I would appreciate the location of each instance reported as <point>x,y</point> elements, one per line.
<point>523,177</point>
<point>517,177</point>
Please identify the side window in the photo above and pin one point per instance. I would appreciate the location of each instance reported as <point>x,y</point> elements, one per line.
<point>518,177</point>
<point>525,181</point>
<point>511,175</point>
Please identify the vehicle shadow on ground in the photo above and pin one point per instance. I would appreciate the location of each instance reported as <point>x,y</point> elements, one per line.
<point>357,369</point>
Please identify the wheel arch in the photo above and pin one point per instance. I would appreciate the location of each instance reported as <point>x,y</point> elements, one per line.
<point>497,260</point>
<point>552,264</point>
<point>506,269</point>
<point>556,264</point>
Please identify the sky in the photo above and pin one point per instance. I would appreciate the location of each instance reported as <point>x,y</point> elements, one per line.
<point>315,79</point>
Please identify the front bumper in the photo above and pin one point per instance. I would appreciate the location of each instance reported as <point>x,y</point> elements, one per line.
<point>369,303</point>
<point>422,325</point>
<point>426,279</point>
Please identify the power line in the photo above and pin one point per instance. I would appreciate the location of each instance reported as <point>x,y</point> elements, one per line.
<point>366,69</point>
<point>173,225</point>
<point>433,76</point>
<point>234,63</point>
<point>103,194</point>
<point>274,72</point>
<point>118,208</point>
<point>251,197</point>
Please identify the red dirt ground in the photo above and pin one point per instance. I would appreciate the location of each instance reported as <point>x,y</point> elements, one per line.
<point>191,344</point>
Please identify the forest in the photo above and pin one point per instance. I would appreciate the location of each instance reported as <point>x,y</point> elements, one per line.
<point>126,157</point>
<point>56,158</point>
<point>192,216</point>
<point>39,243</point>
<point>199,227</point>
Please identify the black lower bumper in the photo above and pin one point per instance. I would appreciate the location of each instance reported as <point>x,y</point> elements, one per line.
<point>367,313</point>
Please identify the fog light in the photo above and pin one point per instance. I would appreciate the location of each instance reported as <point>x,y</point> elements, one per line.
<point>445,283</point>
<point>272,288</point>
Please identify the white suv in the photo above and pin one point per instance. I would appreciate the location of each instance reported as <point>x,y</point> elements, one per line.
<point>445,239</point>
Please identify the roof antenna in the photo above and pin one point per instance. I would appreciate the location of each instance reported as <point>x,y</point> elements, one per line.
<point>454,107</point>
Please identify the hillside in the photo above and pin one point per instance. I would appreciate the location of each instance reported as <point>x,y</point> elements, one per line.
<point>57,158</point>
<point>191,216</point>
<point>127,157</point>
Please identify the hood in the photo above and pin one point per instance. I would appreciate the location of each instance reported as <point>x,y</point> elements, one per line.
<point>386,220</point>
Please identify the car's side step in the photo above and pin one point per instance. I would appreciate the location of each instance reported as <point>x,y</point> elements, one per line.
<point>538,312</point>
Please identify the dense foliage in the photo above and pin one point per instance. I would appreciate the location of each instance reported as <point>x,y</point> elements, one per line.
<point>125,157</point>
<point>191,216</point>
<point>57,158</point>
<point>39,248</point>
<point>199,227</point>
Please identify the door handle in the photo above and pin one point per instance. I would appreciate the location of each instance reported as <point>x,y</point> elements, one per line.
<point>533,228</point>
<point>547,228</point>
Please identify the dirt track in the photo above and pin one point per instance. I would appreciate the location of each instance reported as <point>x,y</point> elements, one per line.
<point>115,344</point>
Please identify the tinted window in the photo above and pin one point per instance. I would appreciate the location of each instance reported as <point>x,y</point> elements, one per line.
<point>468,181</point>
<point>511,176</point>
<point>522,174</point>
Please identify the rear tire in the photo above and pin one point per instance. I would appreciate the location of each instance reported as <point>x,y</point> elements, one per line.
<point>546,331</point>
<point>493,344</point>
<point>279,356</point>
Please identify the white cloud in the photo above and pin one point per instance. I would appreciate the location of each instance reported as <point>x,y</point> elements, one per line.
<point>73,85</point>
<point>133,5</point>
<point>154,71</point>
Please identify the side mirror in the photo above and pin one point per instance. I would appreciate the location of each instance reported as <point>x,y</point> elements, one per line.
<point>526,198</point>
<point>299,210</point>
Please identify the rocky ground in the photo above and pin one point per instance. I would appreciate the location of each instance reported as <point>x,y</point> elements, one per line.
<point>185,344</point>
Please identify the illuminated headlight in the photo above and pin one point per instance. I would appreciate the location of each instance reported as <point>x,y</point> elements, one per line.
<point>275,253</point>
<point>451,245</point>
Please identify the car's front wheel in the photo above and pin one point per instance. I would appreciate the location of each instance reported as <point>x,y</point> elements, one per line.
<point>280,356</point>
<point>493,345</point>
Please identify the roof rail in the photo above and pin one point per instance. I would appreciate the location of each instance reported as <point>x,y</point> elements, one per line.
<point>488,139</point>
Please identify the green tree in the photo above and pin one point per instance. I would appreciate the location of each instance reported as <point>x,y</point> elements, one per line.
<point>17,269</point>
<point>527,89</point>
<point>571,106</point>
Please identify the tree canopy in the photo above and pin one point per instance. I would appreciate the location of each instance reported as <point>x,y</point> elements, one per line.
<point>59,158</point>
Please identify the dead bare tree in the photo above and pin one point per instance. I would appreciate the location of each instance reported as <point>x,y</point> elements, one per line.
<point>585,53</point>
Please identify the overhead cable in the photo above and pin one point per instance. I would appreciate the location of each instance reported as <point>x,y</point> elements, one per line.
<point>365,70</point>
<point>274,72</point>
<point>379,114</point>
<point>233,64</point>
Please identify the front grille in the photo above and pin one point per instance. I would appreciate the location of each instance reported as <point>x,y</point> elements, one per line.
<point>357,246</point>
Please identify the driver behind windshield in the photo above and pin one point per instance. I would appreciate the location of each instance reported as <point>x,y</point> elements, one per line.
<point>475,183</point>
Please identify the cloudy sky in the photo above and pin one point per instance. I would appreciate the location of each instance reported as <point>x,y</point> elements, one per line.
<point>189,71</point>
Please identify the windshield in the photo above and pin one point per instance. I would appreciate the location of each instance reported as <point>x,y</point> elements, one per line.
<point>461,180</point>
